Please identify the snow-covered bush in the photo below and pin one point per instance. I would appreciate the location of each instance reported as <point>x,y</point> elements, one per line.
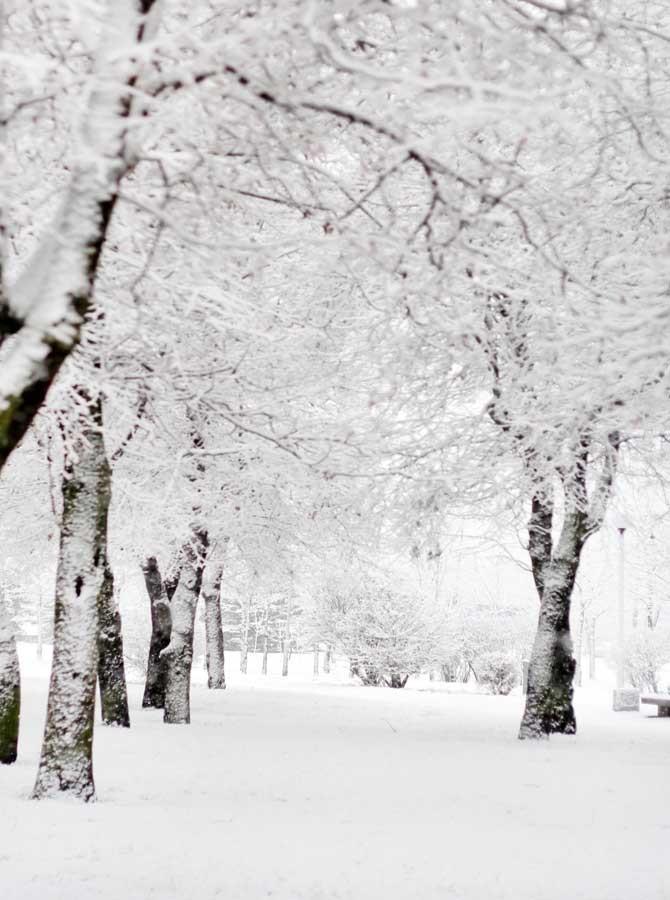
<point>498,671</point>
<point>387,634</point>
<point>474,636</point>
<point>646,652</point>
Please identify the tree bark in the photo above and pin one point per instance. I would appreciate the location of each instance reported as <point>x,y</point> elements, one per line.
<point>161,625</point>
<point>211,592</point>
<point>316,661</point>
<point>10,690</point>
<point>111,669</point>
<point>264,667</point>
<point>53,293</point>
<point>179,652</point>
<point>551,668</point>
<point>66,764</point>
<point>327,659</point>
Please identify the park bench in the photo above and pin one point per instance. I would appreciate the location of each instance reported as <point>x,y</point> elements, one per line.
<point>661,701</point>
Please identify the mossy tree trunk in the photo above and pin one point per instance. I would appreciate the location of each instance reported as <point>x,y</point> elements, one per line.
<point>161,625</point>
<point>111,668</point>
<point>179,652</point>
<point>66,764</point>
<point>211,593</point>
<point>10,690</point>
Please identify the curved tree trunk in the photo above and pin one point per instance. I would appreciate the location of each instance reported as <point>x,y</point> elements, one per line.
<point>111,669</point>
<point>66,764</point>
<point>10,690</point>
<point>161,625</point>
<point>179,652</point>
<point>211,592</point>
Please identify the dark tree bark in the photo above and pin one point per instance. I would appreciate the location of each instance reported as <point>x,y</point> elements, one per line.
<point>10,692</point>
<point>111,668</point>
<point>211,592</point>
<point>66,764</point>
<point>397,681</point>
<point>161,625</point>
<point>179,652</point>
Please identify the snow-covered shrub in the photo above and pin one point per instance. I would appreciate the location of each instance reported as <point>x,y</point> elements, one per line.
<point>645,653</point>
<point>497,671</point>
<point>475,634</point>
<point>387,634</point>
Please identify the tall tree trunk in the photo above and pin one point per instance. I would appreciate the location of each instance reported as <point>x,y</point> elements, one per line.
<point>179,652</point>
<point>111,669</point>
<point>211,592</point>
<point>66,764</point>
<point>264,668</point>
<point>10,690</point>
<point>327,660</point>
<point>161,625</point>
<point>315,668</point>
<point>285,648</point>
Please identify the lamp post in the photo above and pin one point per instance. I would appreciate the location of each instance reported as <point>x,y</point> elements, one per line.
<point>624,698</point>
<point>620,607</point>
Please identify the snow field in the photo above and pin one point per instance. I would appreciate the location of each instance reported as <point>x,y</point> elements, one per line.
<point>304,791</point>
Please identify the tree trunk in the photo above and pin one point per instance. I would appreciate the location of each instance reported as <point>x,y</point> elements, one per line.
<point>327,660</point>
<point>111,669</point>
<point>580,646</point>
<point>316,661</point>
<point>179,652</point>
<point>592,650</point>
<point>10,690</point>
<point>66,764</point>
<point>161,625</point>
<point>552,667</point>
<point>264,668</point>
<point>285,657</point>
<point>244,639</point>
<point>211,592</point>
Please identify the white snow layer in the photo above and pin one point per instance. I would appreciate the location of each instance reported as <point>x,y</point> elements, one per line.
<point>307,791</point>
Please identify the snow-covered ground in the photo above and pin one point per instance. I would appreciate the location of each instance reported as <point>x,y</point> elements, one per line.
<point>293,790</point>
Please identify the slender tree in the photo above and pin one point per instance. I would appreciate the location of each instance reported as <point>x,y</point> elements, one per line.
<point>211,594</point>
<point>111,668</point>
<point>160,593</point>
<point>179,652</point>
